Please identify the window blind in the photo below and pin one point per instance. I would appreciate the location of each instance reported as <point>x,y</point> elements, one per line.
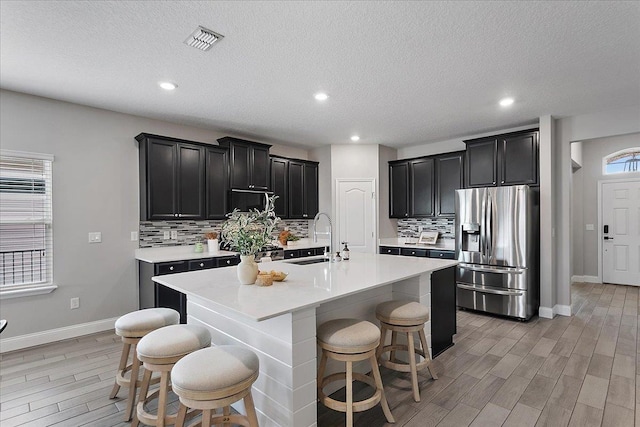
<point>26,238</point>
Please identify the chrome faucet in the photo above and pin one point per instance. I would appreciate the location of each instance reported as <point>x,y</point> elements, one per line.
<point>316,233</point>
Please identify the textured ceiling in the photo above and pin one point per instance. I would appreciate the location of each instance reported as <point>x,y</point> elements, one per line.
<point>397,73</point>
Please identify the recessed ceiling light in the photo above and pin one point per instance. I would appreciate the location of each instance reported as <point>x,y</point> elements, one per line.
<point>505,102</point>
<point>355,138</point>
<point>321,96</point>
<point>168,85</point>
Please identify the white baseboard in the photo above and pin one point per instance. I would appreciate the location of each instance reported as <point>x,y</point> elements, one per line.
<point>545,312</point>
<point>52,335</point>
<point>549,313</point>
<point>585,279</point>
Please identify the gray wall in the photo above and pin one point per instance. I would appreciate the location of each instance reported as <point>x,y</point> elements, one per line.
<point>585,198</point>
<point>95,176</point>
<point>387,227</point>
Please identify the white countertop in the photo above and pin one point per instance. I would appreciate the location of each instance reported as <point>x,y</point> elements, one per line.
<point>181,253</point>
<point>306,285</point>
<point>412,242</point>
<point>176,253</point>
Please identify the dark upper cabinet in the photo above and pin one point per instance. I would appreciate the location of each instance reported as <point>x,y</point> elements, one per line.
<point>421,188</point>
<point>310,190</point>
<point>399,189</point>
<point>482,163</point>
<point>448,170</point>
<point>424,187</point>
<point>172,178</point>
<point>280,185</point>
<point>216,182</point>
<point>249,163</point>
<point>295,182</point>
<point>519,161</point>
<point>303,189</point>
<point>508,159</point>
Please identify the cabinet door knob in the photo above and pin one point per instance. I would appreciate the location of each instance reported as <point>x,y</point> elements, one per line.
<point>228,261</point>
<point>413,252</point>
<point>176,215</point>
<point>201,264</point>
<point>179,215</point>
<point>171,268</point>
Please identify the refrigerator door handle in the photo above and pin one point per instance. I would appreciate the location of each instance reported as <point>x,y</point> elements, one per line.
<point>489,213</point>
<point>487,269</point>
<point>489,291</point>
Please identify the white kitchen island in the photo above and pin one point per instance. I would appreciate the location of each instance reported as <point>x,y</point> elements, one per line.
<point>279,322</point>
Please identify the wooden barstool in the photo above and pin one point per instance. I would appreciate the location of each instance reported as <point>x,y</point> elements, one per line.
<point>349,341</point>
<point>159,351</point>
<point>406,317</point>
<point>214,378</point>
<point>132,327</point>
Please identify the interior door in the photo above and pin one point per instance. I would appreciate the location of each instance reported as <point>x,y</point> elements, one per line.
<point>355,211</point>
<point>621,233</point>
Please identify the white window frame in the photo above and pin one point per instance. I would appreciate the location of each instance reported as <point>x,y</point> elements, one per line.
<point>14,291</point>
<point>605,160</point>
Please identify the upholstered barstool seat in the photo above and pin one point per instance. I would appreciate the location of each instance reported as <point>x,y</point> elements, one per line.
<point>214,378</point>
<point>131,328</point>
<point>406,317</point>
<point>349,341</point>
<point>159,351</point>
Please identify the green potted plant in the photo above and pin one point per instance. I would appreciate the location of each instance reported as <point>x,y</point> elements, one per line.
<point>246,233</point>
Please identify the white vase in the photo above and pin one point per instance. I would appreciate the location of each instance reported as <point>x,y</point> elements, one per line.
<point>212,246</point>
<point>247,270</point>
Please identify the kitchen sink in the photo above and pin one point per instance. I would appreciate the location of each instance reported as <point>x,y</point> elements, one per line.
<point>308,261</point>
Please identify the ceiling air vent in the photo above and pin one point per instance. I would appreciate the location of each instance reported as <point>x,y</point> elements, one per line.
<point>202,38</point>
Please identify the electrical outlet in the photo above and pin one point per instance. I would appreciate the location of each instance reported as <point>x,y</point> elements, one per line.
<point>166,235</point>
<point>75,303</point>
<point>134,236</point>
<point>174,234</point>
<point>95,237</point>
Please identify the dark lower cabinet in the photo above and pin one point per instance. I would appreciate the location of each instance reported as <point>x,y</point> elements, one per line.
<point>152,294</point>
<point>443,309</point>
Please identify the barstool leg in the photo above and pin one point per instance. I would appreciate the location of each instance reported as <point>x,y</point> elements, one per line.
<point>425,348</point>
<point>142,395</point>
<point>182,414</point>
<point>321,368</point>
<point>131,399</point>
<point>383,399</point>
<point>349,380</point>
<point>123,364</point>
<point>412,363</point>
<point>162,398</point>
<point>394,341</point>
<point>383,338</point>
<point>206,418</point>
<point>251,410</point>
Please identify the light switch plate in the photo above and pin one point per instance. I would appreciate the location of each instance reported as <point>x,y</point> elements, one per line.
<point>589,227</point>
<point>174,234</point>
<point>166,235</point>
<point>95,237</point>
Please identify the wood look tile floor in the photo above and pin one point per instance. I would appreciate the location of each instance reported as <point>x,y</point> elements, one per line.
<point>569,371</point>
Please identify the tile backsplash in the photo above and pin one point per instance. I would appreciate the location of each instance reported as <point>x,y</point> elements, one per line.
<point>191,232</point>
<point>411,227</point>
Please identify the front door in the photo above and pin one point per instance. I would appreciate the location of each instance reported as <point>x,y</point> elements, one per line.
<point>621,233</point>
<point>355,211</point>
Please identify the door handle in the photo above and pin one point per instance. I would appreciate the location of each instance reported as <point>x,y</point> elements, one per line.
<point>489,291</point>
<point>608,238</point>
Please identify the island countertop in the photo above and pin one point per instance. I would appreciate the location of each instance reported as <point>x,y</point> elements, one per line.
<point>306,285</point>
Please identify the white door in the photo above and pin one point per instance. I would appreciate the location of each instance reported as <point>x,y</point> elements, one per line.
<point>355,210</point>
<point>621,244</point>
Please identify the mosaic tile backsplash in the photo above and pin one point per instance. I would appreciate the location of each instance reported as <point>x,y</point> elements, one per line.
<point>411,227</point>
<point>191,232</point>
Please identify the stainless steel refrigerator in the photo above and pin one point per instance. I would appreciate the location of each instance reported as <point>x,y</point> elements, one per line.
<point>497,247</point>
